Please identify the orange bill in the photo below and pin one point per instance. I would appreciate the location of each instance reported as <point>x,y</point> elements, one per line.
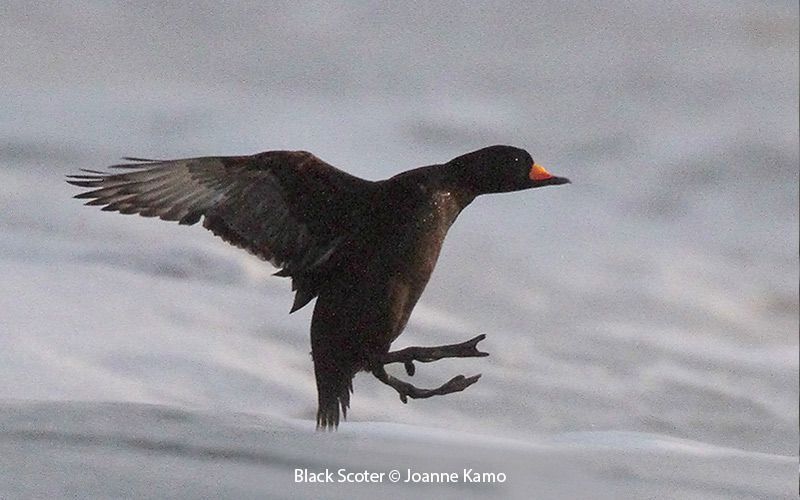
<point>538,173</point>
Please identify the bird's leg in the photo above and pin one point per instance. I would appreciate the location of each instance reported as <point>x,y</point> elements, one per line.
<point>406,390</point>
<point>407,356</point>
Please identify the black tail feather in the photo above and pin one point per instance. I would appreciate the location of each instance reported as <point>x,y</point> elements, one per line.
<point>331,402</point>
<point>334,369</point>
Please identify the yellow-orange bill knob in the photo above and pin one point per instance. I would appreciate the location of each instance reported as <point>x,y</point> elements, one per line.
<point>538,173</point>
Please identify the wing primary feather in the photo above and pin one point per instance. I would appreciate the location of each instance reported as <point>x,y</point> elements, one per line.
<point>141,160</point>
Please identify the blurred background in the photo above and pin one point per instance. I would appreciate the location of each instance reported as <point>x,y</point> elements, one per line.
<point>658,293</point>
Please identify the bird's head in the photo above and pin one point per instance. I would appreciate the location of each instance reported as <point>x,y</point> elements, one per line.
<point>501,169</point>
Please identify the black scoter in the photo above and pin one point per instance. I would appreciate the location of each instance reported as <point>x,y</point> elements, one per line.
<point>364,249</point>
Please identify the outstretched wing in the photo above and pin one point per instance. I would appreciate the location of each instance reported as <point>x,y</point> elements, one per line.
<point>287,207</point>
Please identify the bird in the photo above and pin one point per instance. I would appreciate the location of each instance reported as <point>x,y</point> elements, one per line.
<point>364,249</point>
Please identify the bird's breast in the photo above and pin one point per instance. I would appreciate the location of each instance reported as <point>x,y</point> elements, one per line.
<point>424,235</point>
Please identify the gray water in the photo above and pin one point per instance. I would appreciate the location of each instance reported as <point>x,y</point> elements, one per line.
<point>657,293</point>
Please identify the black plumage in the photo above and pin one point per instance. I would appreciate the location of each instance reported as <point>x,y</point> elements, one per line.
<point>365,249</point>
